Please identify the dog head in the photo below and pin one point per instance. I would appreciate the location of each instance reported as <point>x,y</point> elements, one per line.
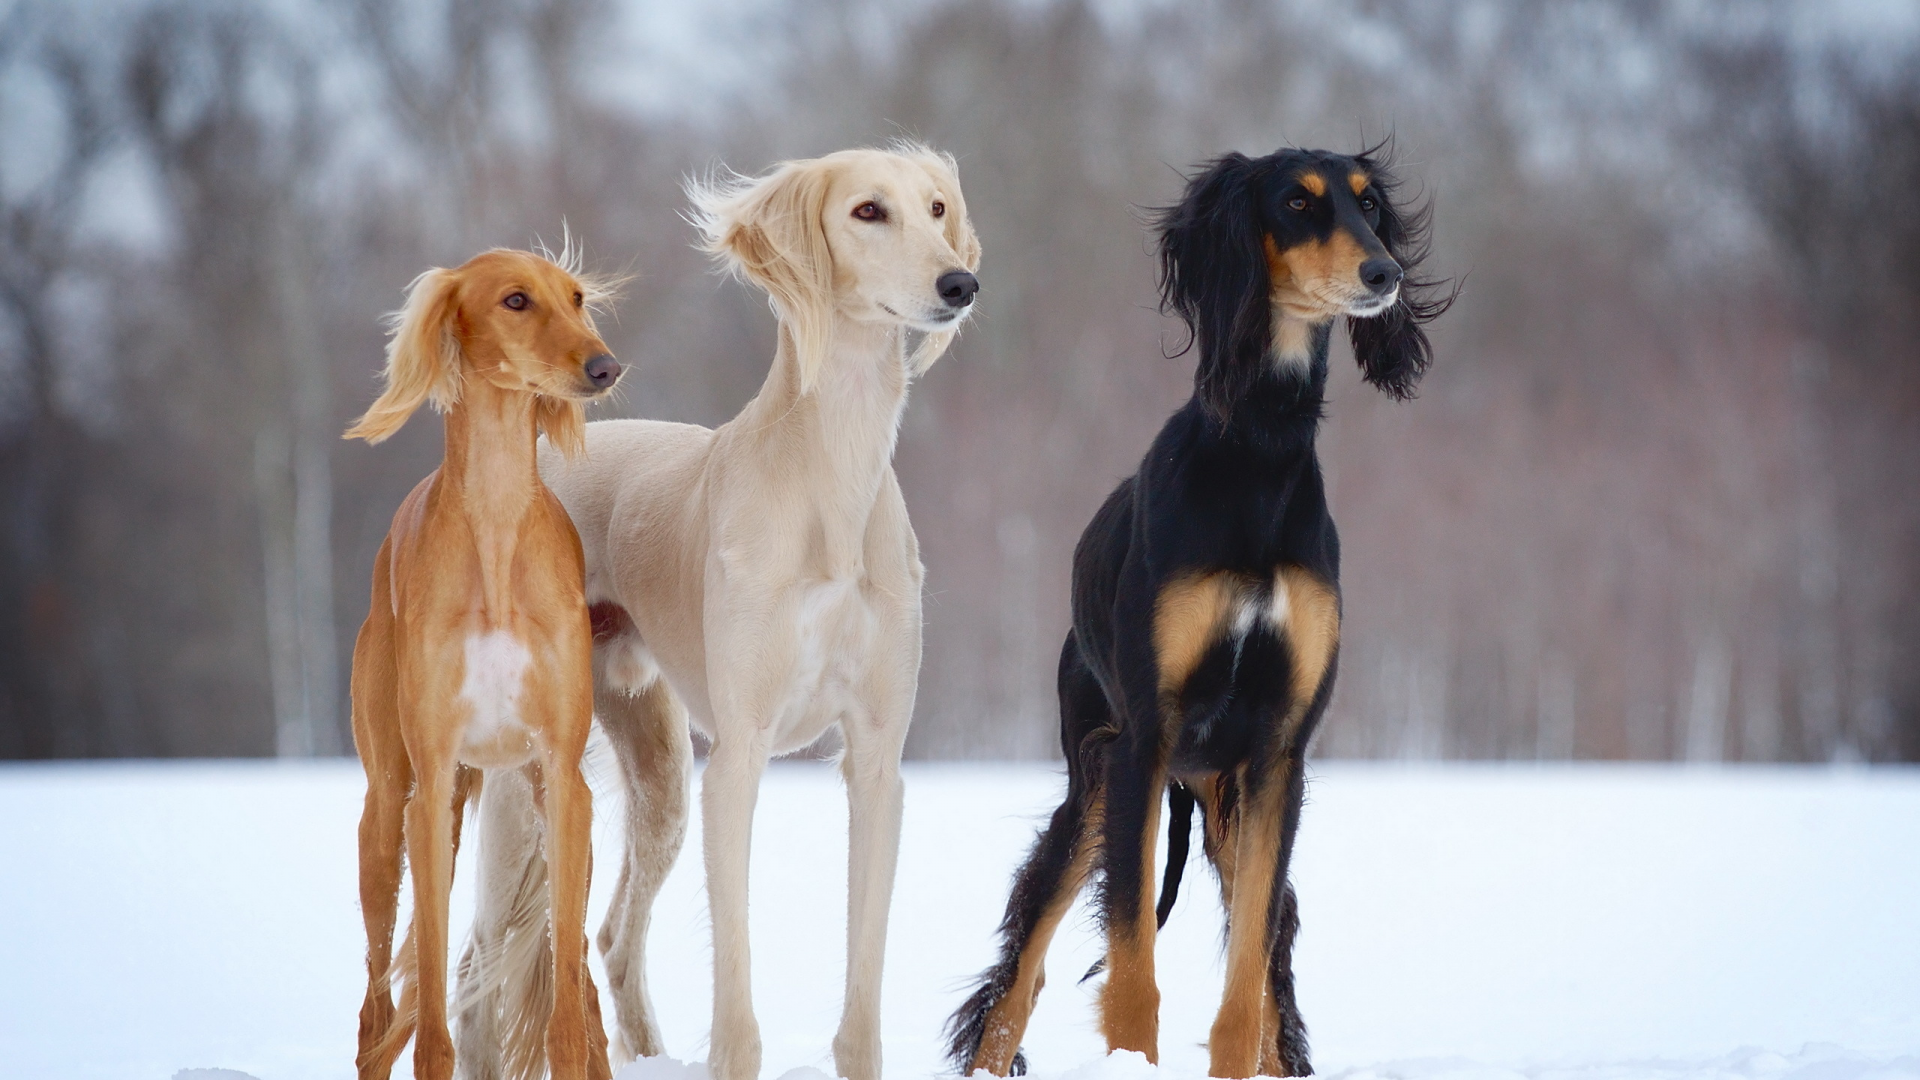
<point>1290,242</point>
<point>521,321</point>
<point>870,235</point>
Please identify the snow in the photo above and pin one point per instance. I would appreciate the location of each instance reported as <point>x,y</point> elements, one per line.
<point>1569,922</point>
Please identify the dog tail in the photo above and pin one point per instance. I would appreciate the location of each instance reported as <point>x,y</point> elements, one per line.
<point>505,992</point>
<point>1179,835</point>
<point>1180,804</point>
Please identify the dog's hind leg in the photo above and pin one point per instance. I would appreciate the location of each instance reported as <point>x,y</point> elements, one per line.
<point>648,732</point>
<point>1283,1051</point>
<point>1135,787</point>
<point>376,736</point>
<point>985,1032</point>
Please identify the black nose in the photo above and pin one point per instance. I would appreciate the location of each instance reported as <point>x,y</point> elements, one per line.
<point>957,287</point>
<point>602,370</point>
<point>1381,275</point>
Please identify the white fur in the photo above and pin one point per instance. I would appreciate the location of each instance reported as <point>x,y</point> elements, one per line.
<point>771,574</point>
<point>496,672</point>
<point>1292,341</point>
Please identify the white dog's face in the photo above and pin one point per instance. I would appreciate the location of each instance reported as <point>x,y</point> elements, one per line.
<point>888,222</point>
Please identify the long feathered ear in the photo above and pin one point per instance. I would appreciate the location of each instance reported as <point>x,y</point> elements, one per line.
<point>423,357</point>
<point>957,227</point>
<point>1392,347</point>
<point>772,231</point>
<point>1213,274</point>
<point>563,422</point>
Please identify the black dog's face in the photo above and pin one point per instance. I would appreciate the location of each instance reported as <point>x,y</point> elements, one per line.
<point>1287,243</point>
<point>1325,258</point>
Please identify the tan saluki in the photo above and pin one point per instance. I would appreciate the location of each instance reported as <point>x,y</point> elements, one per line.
<point>763,577</point>
<point>476,652</point>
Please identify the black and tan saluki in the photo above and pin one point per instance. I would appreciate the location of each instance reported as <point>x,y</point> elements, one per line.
<point>1206,606</point>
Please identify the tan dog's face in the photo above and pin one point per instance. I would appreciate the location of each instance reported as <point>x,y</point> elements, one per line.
<point>890,222</point>
<point>523,324</point>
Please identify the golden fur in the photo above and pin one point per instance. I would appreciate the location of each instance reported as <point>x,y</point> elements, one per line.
<point>476,651</point>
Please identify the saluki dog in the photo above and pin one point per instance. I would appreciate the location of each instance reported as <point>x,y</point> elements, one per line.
<point>1206,607</point>
<point>477,649</point>
<point>763,578</point>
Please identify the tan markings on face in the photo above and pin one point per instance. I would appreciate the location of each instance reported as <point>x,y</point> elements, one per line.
<point>1313,631</point>
<point>1315,183</point>
<point>1358,181</point>
<point>1190,615</point>
<point>1006,1022</point>
<point>1317,279</point>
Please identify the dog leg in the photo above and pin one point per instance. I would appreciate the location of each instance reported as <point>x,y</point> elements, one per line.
<point>1285,1053</point>
<point>648,731</point>
<point>429,827</point>
<point>985,1032</point>
<point>376,736</point>
<point>380,859</point>
<point>1136,785</point>
<point>381,847</point>
<point>1258,879</point>
<point>727,796</point>
<point>875,799</point>
<point>569,806</point>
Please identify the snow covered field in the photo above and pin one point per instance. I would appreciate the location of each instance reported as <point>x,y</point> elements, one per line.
<point>1458,921</point>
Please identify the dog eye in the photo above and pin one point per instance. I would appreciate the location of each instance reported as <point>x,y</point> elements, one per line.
<point>517,301</point>
<point>579,298</point>
<point>1368,204</point>
<point>939,209</point>
<point>869,211</point>
<point>1296,203</point>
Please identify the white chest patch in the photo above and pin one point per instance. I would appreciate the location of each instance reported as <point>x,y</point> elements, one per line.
<point>495,676</point>
<point>822,630</point>
<point>833,632</point>
<point>1270,608</point>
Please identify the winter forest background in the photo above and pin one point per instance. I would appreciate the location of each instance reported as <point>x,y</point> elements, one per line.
<point>1660,497</point>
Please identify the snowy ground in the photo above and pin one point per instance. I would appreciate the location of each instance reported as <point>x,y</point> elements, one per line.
<point>1466,921</point>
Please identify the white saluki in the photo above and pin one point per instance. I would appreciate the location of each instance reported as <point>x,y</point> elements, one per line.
<point>762,578</point>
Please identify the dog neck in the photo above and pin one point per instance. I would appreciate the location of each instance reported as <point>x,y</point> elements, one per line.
<point>1279,411</point>
<point>1299,345</point>
<point>491,465</point>
<point>838,438</point>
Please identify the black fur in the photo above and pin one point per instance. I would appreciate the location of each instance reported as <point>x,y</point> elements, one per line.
<point>1231,484</point>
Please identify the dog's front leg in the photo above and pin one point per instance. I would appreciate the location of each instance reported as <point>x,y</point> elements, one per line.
<point>429,819</point>
<point>570,1050</point>
<point>875,799</point>
<point>727,796</point>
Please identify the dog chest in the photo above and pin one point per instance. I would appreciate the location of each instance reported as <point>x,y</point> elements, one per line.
<point>491,687</point>
<point>833,629</point>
